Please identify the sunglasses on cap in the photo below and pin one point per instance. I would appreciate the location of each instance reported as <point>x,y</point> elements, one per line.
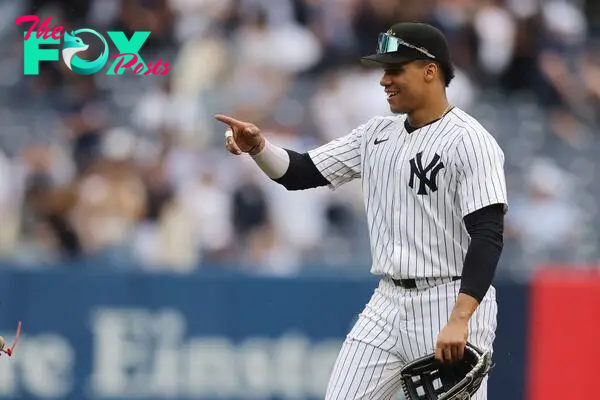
<point>387,43</point>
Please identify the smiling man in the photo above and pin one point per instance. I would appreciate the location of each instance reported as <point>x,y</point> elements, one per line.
<point>435,198</point>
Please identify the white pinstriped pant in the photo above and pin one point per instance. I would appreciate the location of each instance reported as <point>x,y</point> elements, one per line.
<point>397,326</point>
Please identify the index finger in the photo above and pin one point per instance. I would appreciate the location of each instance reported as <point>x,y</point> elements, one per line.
<point>228,120</point>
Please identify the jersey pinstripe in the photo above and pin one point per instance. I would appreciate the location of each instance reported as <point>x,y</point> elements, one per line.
<point>417,188</point>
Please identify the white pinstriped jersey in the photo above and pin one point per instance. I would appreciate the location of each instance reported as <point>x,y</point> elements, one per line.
<point>417,188</point>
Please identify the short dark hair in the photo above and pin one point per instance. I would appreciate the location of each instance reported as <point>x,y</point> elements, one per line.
<point>447,70</point>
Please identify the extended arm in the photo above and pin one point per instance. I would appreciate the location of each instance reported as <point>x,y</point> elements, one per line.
<point>331,164</point>
<point>289,168</point>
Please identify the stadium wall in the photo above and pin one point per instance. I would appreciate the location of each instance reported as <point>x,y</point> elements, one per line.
<point>563,332</point>
<point>124,335</point>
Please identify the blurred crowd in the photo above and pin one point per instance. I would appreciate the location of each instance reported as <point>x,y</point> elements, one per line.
<point>131,170</point>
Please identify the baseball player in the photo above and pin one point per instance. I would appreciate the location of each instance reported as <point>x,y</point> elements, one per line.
<point>435,198</point>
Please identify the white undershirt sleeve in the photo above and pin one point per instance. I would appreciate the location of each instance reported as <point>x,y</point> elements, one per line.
<point>272,160</point>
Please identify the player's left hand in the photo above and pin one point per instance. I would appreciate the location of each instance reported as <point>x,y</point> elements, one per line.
<point>451,342</point>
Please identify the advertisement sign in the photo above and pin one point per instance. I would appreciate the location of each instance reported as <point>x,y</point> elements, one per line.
<point>117,336</point>
<point>92,334</point>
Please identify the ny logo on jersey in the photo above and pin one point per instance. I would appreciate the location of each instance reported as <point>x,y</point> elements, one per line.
<point>417,170</point>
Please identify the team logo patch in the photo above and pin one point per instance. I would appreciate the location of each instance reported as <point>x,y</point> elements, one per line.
<point>427,175</point>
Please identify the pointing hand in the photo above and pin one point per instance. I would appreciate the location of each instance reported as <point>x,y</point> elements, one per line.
<point>242,137</point>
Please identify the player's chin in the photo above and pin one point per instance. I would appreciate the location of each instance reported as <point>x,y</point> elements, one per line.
<point>396,105</point>
<point>398,109</point>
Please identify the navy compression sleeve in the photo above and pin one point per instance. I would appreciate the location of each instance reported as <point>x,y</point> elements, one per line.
<point>486,228</point>
<point>302,173</point>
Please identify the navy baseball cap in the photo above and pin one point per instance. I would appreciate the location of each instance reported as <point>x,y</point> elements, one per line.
<point>409,41</point>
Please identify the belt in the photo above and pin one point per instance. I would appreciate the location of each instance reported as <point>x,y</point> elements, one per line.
<point>412,283</point>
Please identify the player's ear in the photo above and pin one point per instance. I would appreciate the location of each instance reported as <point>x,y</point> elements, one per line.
<point>430,72</point>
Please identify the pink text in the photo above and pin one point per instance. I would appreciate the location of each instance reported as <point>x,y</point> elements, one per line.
<point>138,70</point>
<point>55,34</point>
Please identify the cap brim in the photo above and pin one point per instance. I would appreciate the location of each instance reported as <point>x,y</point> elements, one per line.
<point>377,60</point>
